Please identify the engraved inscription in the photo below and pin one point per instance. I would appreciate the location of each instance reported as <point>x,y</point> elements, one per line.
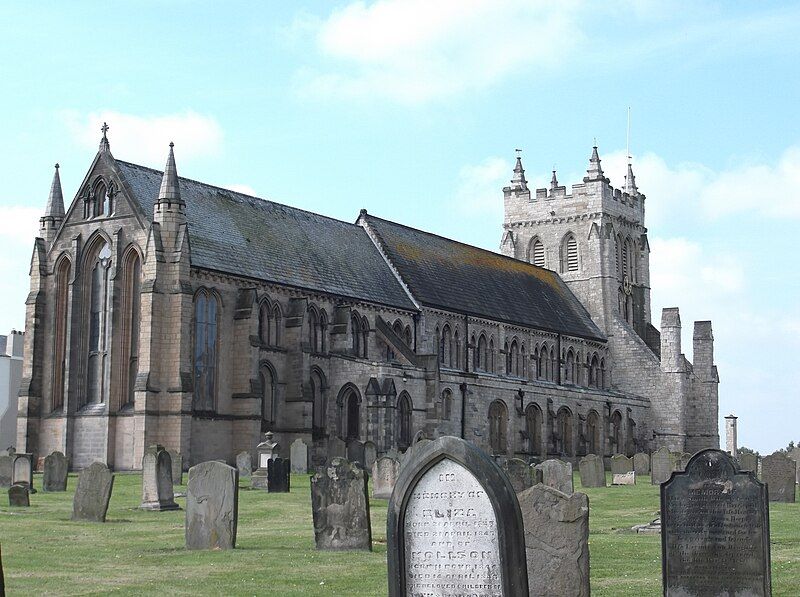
<point>451,538</point>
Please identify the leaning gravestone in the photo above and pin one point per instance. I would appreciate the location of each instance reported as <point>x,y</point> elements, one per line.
<point>370,455</point>
<point>244,464</point>
<point>592,471</point>
<point>278,477</point>
<point>641,464</point>
<point>628,478</point>
<point>157,493</point>
<point>340,506</point>
<point>519,473</point>
<point>452,503</point>
<point>298,454</point>
<point>557,474</point>
<point>19,496</point>
<point>212,506</point>
<point>621,464</point>
<point>556,541</point>
<point>55,472</point>
<point>779,471</point>
<point>715,530</point>
<point>748,462</point>
<point>176,458</point>
<point>662,464</point>
<point>6,470</point>
<point>384,476</point>
<point>93,493</point>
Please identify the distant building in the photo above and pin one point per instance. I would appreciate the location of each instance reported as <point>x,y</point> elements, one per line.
<point>11,347</point>
<point>166,310</point>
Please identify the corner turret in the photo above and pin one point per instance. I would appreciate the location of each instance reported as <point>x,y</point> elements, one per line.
<point>630,182</point>
<point>53,216</point>
<point>595,171</point>
<point>170,205</point>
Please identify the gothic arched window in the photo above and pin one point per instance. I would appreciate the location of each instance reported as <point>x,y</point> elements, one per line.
<point>313,330</point>
<point>60,315</point>
<point>323,331</point>
<point>536,252</point>
<point>131,309</point>
<point>616,432</point>
<point>320,404</point>
<point>491,355</point>
<point>456,352</point>
<point>275,324</point>
<point>533,428</point>
<point>364,336</point>
<point>353,405</point>
<point>498,422</point>
<point>445,351</point>
<point>569,366</point>
<point>206,313</point>
<point>404,425</point>
<point>268,407</point>
<point>564,423</point>
<point>264,322</point>
<point>481,353</point>
<point>100,192</point>
<point>593,433</point>
<point>569,254</point>
<point>97,285</point>
<point>447,404</point>
<point>543,362</point>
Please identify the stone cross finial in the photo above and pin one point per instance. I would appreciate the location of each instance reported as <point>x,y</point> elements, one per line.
<point>104,129</point>
<point>104,146</point>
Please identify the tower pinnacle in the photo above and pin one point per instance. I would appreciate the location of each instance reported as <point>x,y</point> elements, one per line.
<point>170,191</point>
<point>595,171</point>
<point>518,181</point>
<point>553,181</point>
<point>53,216</point>
<point>630,181</point>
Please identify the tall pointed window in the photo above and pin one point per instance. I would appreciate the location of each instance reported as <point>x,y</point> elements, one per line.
<point>533,428</point>
<point>447,404</point>
<point>100,192</point>
<point>131,307</point>
<point>313,330</point>
<point>205,351</point>
<point>60,332</point>
<point>267,379</point>
<point>320,404</point>
<point>564,423</point>
<point>404,425</point>
<point>97,285</point>
<point>264,322</point>
<point>536,253</point>
<point>569,254</point>
<point>593,433</point>
<point>498,423</point>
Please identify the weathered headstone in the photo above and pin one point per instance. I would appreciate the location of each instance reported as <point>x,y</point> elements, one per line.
<point>794,454</point>
<point>714,530</point>
<point>641,464</point>
<point>748,462</point>
<point>370,455</point>
<point>298,454</point>
<point>536,473</point>
<point>592,471</point>
<point>556,541</point>
<point>557,474</point>
<point>355,451</point>
<point>621,464</point>
<point>519,473</point>
<point>19,496</point>
<point>212,506</point>
<point>779,472</point>
<point>176,458</point>
<point>157,493</point>
<point>23,470</point>
<point>628,478</point>
<point>384,476</point>
<point>336,448</point>
<point>6,470</point>
<point>681,460</point>
<point>93,493</point>
<point>244,464</point>
<point>278,475</point>
<point>340,506</point>
<point>662,464</point>
<point>55,472</point>
<point>453,503</point>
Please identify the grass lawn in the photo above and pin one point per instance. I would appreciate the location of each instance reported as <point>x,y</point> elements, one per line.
<point>142,553</point>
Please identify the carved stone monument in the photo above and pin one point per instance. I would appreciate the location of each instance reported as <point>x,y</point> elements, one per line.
<point>384,476</point>
<point>93,493</point>
<point>55,472</point>
<point>266,450</point>
<point>519,473</point>
<point>715,530</point>
<point>556,541</point>
<point>212,506</point>
<point>592,471</point>
<point>779,472</point>
<point>298,454</point>
<point>157,493</point>
<point>340,506</point>
<point>453,504</point>
<point>557,474</point>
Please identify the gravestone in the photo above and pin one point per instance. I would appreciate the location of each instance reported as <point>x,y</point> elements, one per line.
<point>592,471</point>
<point>336,448</point>
<point>298,454</point>
<point>19,496</point>
<point>519,473</point>
<point>779,472</point>
<point>794,454</point>
<point>6,470</point>
<point>748,462</point>
<point>355,451</point>
<point>23,470</point>
<point>93,493</point>
<point>340,507</point>
<point>212,506</point>
<point>536,473</point>
<point>628,478</point>
<point>641,464</point>
<point>662,464</point>
<point>176,458</point>
<point>244,464</point>
<point>157,493</point>
<point>556,541</point>
<point>714,530</point>
<point>55,472</point>
<point>682,460</point>
<point>452,503</point>
<point>370,455</point>
<point>384,476</point>
<point>557,474</point>
<point>278,477</point>
<point>266,451</point>
<point>621,464</point>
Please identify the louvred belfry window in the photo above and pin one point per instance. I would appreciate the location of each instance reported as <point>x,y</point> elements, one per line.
<point>537,254</point>
<point>572,254</point>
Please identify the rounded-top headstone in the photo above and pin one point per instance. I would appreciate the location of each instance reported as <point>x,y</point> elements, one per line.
<point>93,493</point>
<point>55,472</point>
<point>212,506</point>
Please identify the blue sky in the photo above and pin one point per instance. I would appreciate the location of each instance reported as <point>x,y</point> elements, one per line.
<point>413,109</point>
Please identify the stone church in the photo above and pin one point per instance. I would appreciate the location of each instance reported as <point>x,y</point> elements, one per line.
<point>166,310</point>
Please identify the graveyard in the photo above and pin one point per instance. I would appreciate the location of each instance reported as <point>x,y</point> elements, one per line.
<point>143,552</point>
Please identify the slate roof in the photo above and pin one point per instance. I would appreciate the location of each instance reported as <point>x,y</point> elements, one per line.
<point>453,276</point>
<point>245,236</point>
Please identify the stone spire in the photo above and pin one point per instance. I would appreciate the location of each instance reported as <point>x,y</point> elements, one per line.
<point>170,191</point>
<point>595,171</point>
<point>553,181</point>
<point>630,182</point>
<point>104,145</point>
<point>53,216</point>
<point>518,181</point>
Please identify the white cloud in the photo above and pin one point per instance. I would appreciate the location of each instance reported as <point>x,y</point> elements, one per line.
<point>242,188</point>
<point>479,187</point>
<point>413,51</point>
<point>145,139</point>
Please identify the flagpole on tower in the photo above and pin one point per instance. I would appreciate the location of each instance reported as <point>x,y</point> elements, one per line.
<point>628,137</point>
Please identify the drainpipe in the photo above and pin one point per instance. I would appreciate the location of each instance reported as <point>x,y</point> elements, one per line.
<point>463,387</point>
